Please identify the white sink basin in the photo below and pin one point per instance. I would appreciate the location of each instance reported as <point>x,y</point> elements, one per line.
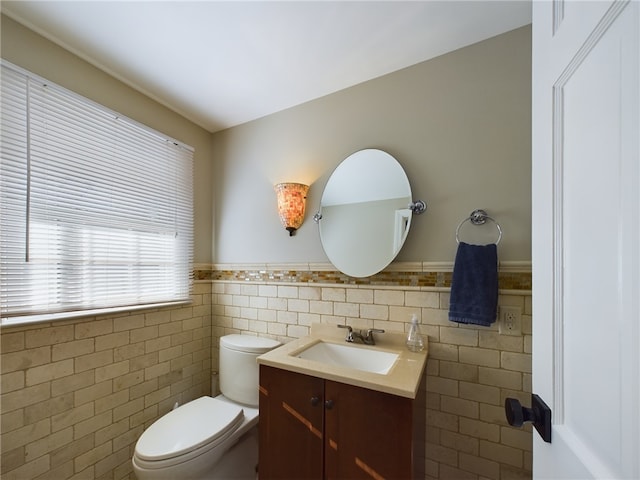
<point>360,358</point>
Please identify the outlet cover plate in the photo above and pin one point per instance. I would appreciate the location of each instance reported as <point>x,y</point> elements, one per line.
<point>510,320</point>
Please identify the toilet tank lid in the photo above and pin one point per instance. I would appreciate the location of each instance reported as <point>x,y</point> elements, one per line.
<point>248,343</point>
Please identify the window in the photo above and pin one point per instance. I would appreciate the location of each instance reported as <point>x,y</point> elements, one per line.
<point>95,209</point>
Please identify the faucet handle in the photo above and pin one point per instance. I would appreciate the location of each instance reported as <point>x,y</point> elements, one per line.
<point>368,339</point>
<point>349,337</point>
<point>374,330</point>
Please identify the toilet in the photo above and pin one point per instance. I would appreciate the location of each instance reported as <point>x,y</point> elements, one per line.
<point>210,438</point>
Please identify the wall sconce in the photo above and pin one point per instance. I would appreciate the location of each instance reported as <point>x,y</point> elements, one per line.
<point>291,202</point>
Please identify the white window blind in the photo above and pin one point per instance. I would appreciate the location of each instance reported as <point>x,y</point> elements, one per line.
<point>95,210</point>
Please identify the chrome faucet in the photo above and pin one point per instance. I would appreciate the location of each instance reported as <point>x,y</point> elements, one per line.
<point>365,336</point>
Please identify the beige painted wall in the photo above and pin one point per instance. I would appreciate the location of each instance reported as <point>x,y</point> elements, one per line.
<point>28,50</point>
<point>459,124</point>
<point>77,394</point>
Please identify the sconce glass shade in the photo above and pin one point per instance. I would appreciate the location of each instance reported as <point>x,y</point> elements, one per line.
<point>291,203</point>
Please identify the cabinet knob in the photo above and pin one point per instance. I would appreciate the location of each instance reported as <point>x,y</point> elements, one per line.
<point>328,404</point>
<point>315,401</point>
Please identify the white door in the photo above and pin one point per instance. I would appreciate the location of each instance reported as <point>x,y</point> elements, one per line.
<point>586,242</point>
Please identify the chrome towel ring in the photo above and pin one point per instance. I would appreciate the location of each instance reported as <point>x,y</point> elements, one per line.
<point>479,217</point>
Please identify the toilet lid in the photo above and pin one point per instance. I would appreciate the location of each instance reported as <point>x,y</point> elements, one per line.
<point>188,427</point>
<point>248,343</point>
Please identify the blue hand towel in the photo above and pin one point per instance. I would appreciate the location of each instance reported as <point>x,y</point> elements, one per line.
<point>474,286</point>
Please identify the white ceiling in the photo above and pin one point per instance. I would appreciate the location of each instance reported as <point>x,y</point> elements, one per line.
<point>223,63</point>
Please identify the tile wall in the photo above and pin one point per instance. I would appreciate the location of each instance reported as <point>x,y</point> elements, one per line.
<point>470,371</point>
<point>77,394</point>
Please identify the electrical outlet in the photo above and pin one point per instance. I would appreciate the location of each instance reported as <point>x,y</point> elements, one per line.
<point>510,320</point>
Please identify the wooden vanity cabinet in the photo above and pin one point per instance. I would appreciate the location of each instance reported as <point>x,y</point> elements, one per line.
<point>312,428</point>
<point>290,428</point>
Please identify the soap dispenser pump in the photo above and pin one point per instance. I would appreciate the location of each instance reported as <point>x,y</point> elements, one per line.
<point>414,339</point>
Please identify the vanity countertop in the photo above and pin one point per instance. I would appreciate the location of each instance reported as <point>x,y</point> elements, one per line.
<point>403,379</point>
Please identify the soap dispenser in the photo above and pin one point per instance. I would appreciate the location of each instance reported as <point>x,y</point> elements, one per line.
<point>414,339</point>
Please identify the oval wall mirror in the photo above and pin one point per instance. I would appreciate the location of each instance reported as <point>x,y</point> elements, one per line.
<point>365,213</point>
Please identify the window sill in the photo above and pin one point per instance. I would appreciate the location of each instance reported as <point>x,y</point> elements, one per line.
<point>51,317</point>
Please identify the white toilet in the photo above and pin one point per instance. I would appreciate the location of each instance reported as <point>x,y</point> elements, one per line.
<point>210,438</point>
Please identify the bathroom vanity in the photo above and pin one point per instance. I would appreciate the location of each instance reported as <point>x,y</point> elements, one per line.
<point>325,420</point>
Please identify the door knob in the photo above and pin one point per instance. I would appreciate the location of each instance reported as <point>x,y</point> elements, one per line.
<point>539,414</point>
<point>315,401</point>
<point>328,404</point>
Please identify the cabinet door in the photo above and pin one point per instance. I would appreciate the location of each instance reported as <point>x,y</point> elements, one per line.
<point>291,411</point>
<point>368,434</point>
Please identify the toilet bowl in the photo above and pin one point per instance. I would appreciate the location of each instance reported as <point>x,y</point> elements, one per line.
<point>210,438</point>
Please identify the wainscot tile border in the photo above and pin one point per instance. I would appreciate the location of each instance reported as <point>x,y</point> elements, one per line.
<point>511,275</point>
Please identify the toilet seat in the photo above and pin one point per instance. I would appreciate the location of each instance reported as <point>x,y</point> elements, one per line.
<point>188,431</point>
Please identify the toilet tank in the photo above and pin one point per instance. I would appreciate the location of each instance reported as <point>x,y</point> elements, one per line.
<point>239,367</point>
